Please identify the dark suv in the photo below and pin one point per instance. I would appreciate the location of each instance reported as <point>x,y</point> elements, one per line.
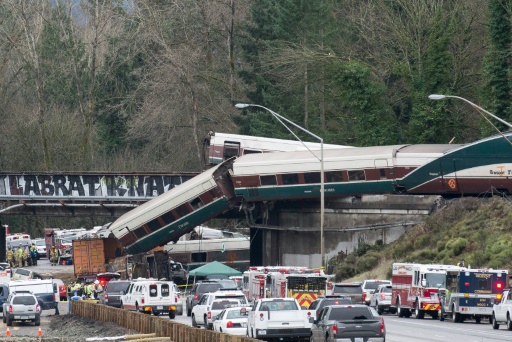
<point>113,291</point>
<point>198,290</point>
<point>321,302</point>
<point>352,290</point>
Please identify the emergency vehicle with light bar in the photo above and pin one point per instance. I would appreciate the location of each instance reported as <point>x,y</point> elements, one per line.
<point>416,288</point>
<point>306,286</point>
<point>471,293</point>
<point>279,318</point>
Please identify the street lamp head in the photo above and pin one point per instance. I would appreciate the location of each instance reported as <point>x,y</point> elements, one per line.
<point>436,97</point>
<point>241,105</point>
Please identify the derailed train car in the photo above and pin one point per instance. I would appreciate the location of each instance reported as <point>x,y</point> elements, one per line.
<point>449,170</point>
<point>176,212</point>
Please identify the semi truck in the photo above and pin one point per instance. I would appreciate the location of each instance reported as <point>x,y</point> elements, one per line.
<point>91,256</point>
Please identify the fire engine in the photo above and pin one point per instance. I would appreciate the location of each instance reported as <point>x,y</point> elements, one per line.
<point>416,288</point>
<point>471,293</point>
<point>304,287</point>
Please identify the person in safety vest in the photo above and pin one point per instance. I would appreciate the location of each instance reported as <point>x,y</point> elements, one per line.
<point>10,257</point>
<point>54,256</point>
<point>88,290</point>
<point>19,256</point>
<point>26,256</point>
<point>33,254</point>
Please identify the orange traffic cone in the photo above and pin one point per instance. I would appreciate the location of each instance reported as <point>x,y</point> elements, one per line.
<point>39,332</point>
<point>8,332</point>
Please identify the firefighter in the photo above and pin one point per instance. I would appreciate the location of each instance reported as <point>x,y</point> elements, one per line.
<point>10,257</point>
<point>26,256</point>
<point>54,256</point>
<point>19,256</point>
<point>33,254</point>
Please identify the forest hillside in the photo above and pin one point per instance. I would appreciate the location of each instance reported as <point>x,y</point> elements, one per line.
<point>478,230</point>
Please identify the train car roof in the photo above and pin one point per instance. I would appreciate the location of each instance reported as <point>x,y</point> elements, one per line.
<point>262,142</point>
<point>154,203</point>
<point>429,148</point>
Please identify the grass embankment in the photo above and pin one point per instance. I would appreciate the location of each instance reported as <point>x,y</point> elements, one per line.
<point>478,230</point>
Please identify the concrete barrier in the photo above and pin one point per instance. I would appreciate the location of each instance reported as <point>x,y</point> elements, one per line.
<point>148,324</point>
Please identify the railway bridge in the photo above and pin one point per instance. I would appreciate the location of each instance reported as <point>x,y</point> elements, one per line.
<point>283,232</point>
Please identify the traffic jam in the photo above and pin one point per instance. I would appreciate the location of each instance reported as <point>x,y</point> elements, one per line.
<point>276,303</point>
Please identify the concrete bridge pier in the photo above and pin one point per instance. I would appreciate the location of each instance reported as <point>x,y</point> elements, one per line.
<point>291,236</point>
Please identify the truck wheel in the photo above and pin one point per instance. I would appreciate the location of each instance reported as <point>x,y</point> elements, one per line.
<point>399,311</point>
<point>441,314</point>
<point>420,314</point>
<point>509,322</point>
<point>456,318</point>
<point>172,314</point>
<point>137,307</point>
<point>495,324</point>
<point>194,323</point>
<point>380,309</point>
<point>478,319</point>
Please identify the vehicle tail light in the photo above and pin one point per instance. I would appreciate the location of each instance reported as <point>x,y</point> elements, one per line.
<point>261,315</point>
<point>142,300</point>
<point>335,329</point>
<point>209,315</point>
<point>196,297</point>
<point>309,314</point>
<point>229,324</point>
<point>38,308</point>
<point>364,296</point>
<point>54,299</point>
<point>382,327</point>
<point>10,308</point>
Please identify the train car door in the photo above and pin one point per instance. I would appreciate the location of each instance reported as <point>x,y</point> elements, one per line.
<point>448,175</point>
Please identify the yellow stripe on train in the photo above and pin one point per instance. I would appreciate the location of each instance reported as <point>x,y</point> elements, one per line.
<point>432,307</point>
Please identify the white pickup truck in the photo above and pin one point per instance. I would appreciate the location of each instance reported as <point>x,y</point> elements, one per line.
<point>502,312</point>
<point>274,318</point>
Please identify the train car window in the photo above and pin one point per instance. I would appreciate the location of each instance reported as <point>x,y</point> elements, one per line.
<point>182,210</point>
<point>168,217</point>
<point>247,151</point>
<point>312,177</point>
<point>382,173</point>
<point>196,203</point>
<point>356,175</point>
<point>333,177</point>
<point>290,178</point>
<point>128,239</point>
<point>154,225</point>
<point>231,149</point>
<point>198,257</point>
<point>268,180</point>
<point>214,193</point>
<point>140,232</point>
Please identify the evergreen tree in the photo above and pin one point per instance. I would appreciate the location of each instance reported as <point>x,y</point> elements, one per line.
<point>497,64</point>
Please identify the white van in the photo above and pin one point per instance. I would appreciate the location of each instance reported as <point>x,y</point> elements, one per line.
<point>151,296</point>
<point>45,290</point>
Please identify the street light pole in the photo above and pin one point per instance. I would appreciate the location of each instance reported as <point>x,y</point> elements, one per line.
<point>441,97</point>
<point>321,159</point>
